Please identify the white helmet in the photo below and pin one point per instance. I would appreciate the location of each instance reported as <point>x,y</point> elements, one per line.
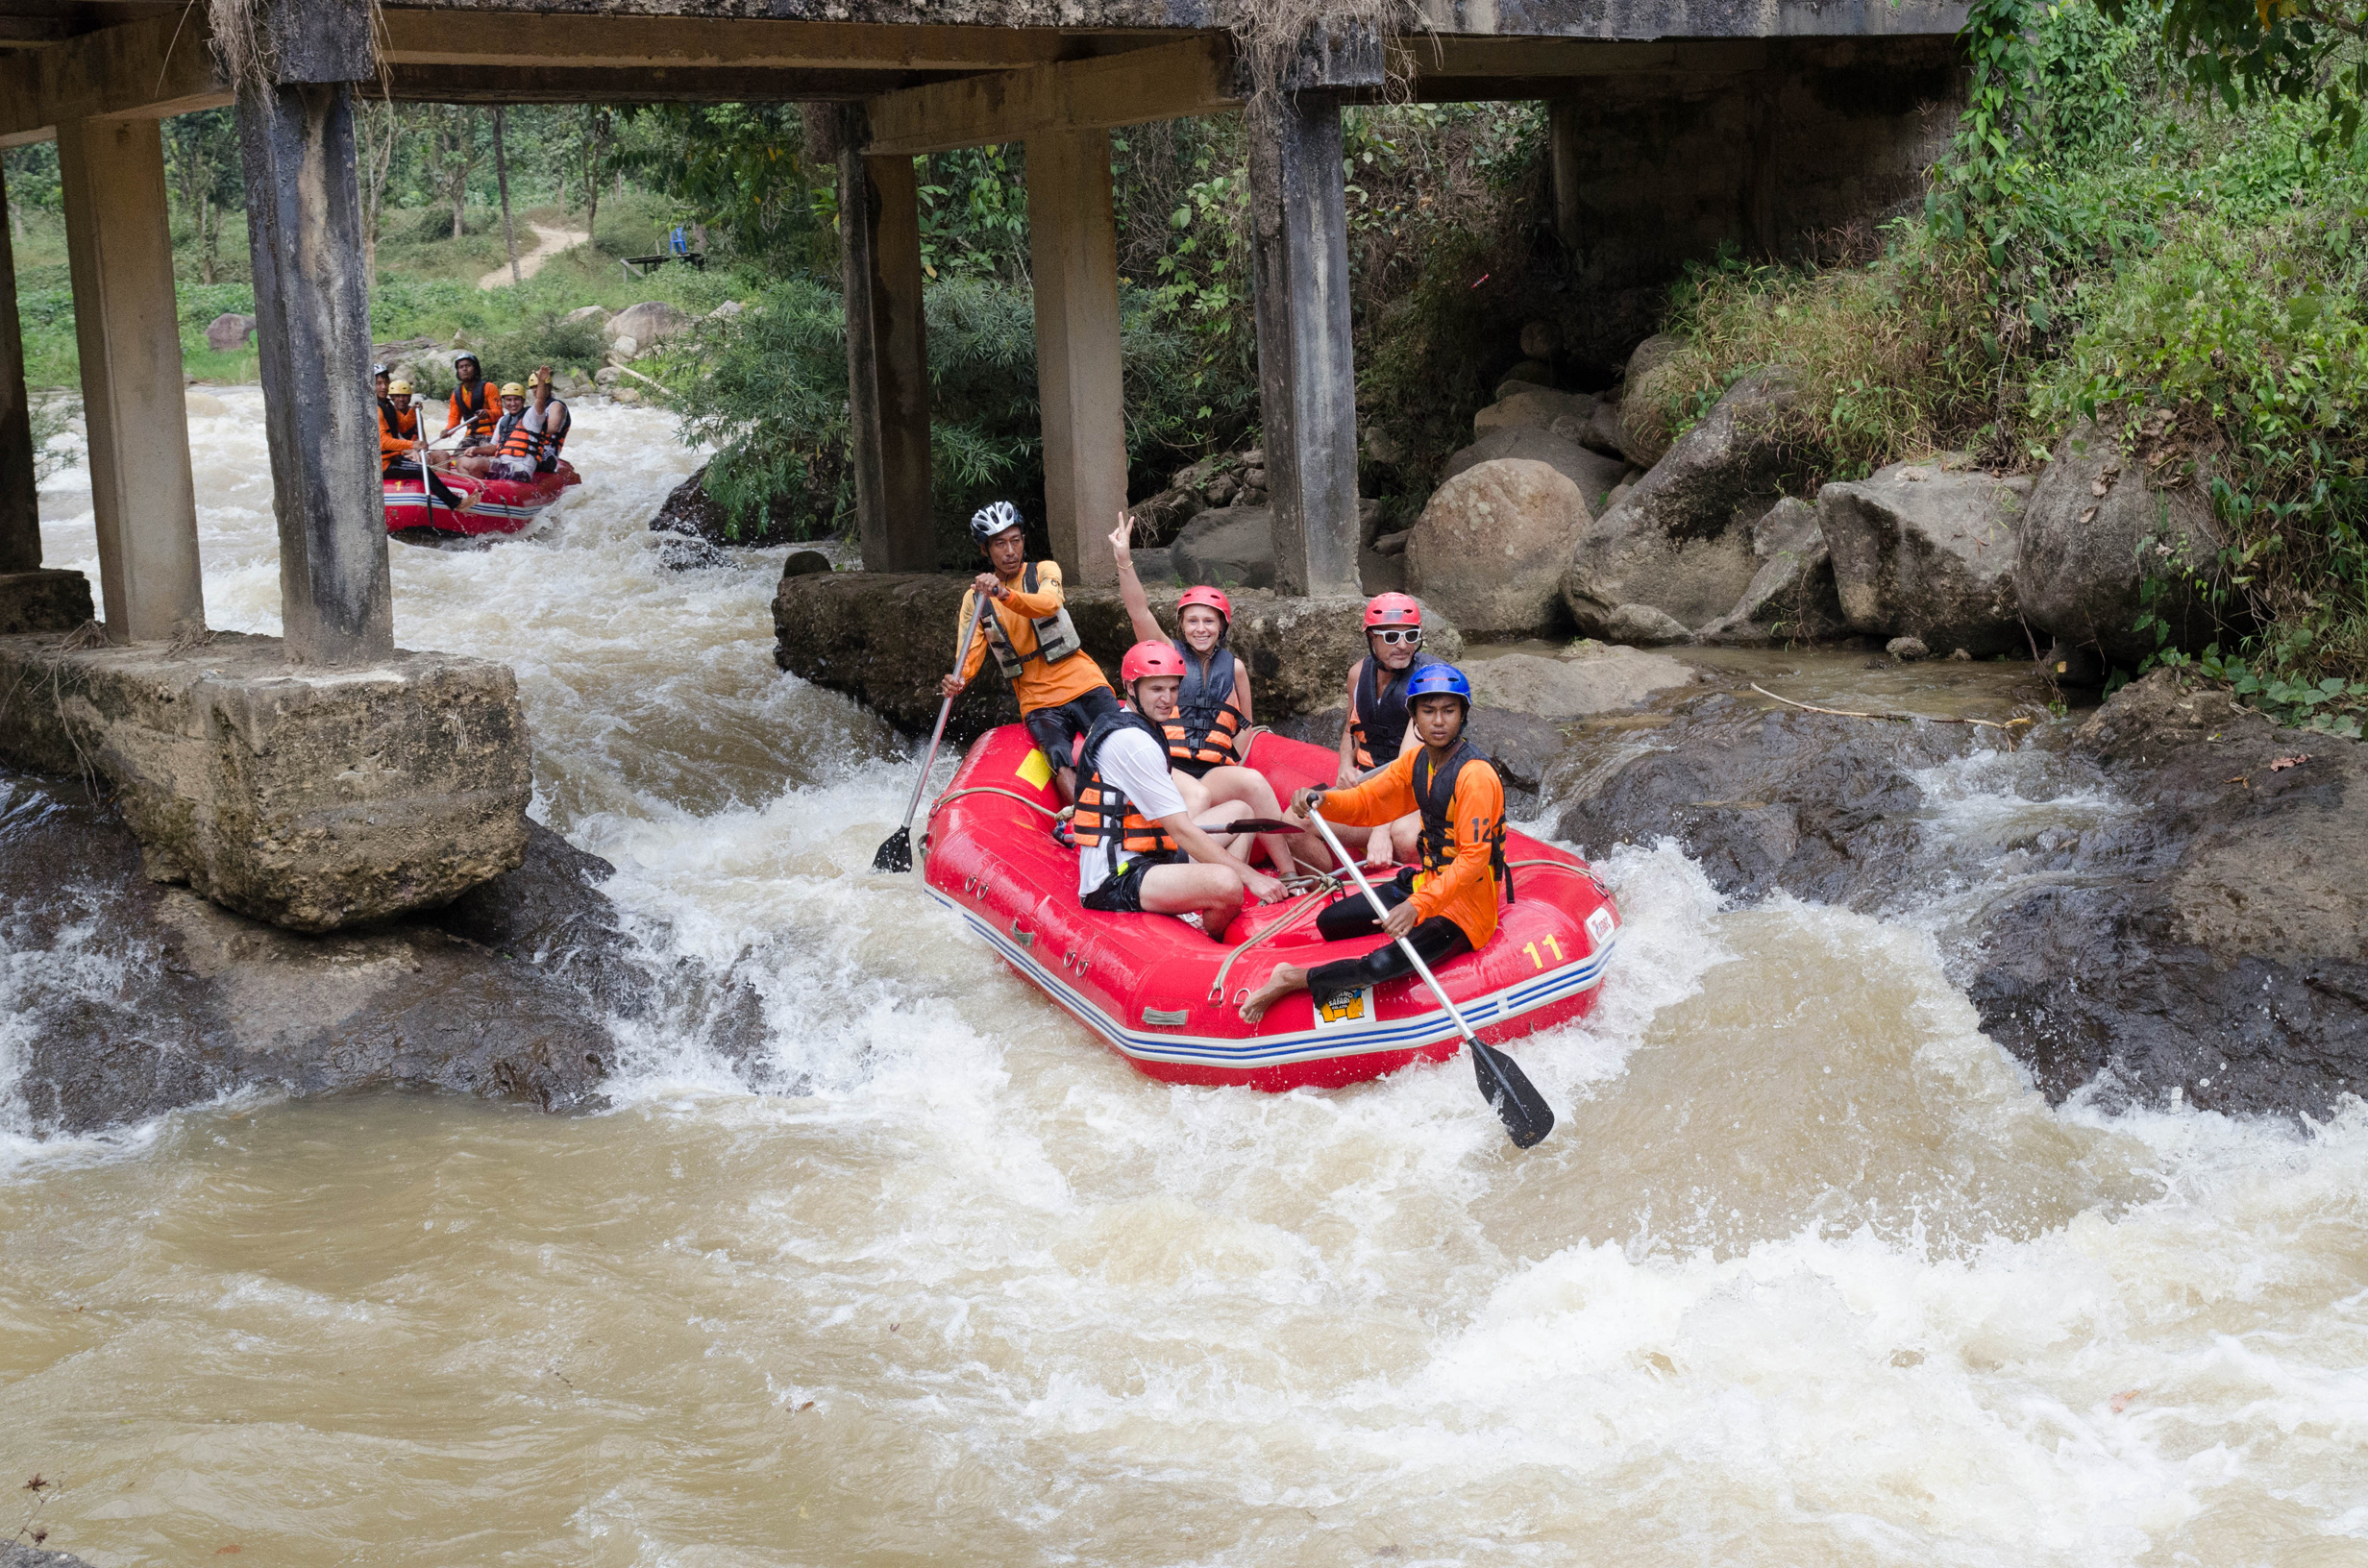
<point>994,518</point>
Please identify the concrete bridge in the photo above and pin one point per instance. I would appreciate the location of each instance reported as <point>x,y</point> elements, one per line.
<point>1677,124</point>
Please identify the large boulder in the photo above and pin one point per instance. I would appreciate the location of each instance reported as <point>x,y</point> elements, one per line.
<point>1928,551</point>
<point>1531,408</point>
<point>1594,474</point>
<point>1681,541</point>
<point>230,330</point>
<point>2209,943</point>
<point>596,315</point>
<point>498,999</point>
<point>653,321</point>
<point>1634,427</point>
<point>314,798</point>
<point>1791,598</point>
<point>1594,678</point>
<point>887,637</point>
<point>1229,547</point>
<point>2083,552</point>
<point>1489,548</point>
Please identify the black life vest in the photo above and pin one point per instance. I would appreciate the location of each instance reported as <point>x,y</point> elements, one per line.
<point>1434,798</point>
<point>1056,639</point>
<point>557,423</point>
<point>1380,724</point>
<point>472,405</point>
<point>1102,808</point>
<point>1202,734</point>
<point>401,425</point>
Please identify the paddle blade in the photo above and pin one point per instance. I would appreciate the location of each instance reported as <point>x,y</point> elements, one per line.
<point>1523,1110</point>
<point>896,854</point>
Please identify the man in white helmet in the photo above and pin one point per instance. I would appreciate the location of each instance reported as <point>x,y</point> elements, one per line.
<point>1062,691</point>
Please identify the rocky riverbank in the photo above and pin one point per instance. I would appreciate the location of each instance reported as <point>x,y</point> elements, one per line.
<point>2169,903</point>
<point>136,997</point>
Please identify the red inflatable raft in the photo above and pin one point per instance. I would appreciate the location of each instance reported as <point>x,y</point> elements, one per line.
<point>1163,995</point>
<point>503,505</point>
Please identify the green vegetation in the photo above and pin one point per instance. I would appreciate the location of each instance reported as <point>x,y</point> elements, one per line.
<point>2104,245</point>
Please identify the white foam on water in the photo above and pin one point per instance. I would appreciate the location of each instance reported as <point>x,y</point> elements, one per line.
<point>1808,1272</point>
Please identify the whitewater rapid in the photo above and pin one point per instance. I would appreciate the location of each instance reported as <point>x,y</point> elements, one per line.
<point>1808,1274</point>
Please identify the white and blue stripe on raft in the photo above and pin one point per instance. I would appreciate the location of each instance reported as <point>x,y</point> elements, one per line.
<point>1308,1044</point>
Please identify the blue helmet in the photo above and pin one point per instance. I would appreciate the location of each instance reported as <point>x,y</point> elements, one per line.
<point>1439,679</point>
<point>994,518</point>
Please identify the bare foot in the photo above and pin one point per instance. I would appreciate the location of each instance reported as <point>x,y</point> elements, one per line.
<point>1286,979</point>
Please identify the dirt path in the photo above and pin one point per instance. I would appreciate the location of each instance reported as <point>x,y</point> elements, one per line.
<point>548,243</point>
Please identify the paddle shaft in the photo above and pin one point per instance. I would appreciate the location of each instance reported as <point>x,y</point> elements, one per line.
<point>944,710</point>
<point>1403,946</point>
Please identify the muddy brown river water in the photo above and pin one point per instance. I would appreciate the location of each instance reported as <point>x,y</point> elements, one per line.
<point>1807,1275</point>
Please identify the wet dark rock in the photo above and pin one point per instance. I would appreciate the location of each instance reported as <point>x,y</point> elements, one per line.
<point>804,563</point>
<point>690,512</point>
<point>144,997</point>
<point>1820,807</point>
<point>2211,943</point>
<point>18,1554</point>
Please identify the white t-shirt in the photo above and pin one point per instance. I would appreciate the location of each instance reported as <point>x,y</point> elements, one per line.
<point>1137,765</point>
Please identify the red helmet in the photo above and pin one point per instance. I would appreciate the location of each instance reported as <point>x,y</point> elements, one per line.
<point>1214,598</point>
<point>1392,610</point>
<point>1145,659</point>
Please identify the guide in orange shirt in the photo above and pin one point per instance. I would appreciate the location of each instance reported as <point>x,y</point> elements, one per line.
<point>1062,691</point>
<point>1447,906</point>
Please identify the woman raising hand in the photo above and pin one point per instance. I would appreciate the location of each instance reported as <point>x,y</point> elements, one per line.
<point>1213,709</point>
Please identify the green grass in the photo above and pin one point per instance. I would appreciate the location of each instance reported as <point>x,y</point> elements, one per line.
<point>425,288</point>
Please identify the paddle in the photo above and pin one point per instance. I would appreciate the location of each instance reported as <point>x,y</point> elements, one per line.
<point>896,854</point>
<point>1523,1110</point>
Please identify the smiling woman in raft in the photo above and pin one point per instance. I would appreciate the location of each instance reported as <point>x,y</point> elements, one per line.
<point>1213,707</point>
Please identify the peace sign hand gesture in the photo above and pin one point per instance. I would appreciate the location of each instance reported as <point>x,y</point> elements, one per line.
<point>1121,537</point>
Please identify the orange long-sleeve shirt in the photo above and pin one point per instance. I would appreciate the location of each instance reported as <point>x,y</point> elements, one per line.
<point>401,438</point>
<point>1041,685</point>
<point>1465,891</point>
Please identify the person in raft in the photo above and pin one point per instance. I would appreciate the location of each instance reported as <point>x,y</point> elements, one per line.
<point>399,447</point>
<point>1375,733</point>
<point>508,451</point>
<point>549,419</point>
<point>1062,691</point>
<point>1213,705</point>
<point>1140,851</point>
<point>472,410</point>
<point>1446,905</point>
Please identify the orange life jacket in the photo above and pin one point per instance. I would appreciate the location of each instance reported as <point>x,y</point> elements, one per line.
<point>512,439</point>
<point>1102,808</point>
<point>473,404</point>
<point>1201,735</point>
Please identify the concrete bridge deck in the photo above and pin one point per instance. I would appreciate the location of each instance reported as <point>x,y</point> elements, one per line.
<point>1678,124</point>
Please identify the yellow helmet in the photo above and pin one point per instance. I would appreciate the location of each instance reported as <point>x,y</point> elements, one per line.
<point>511,390</point>
<point>399,389</point>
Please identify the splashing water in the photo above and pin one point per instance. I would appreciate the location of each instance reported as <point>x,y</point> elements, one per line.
<point>1808,1274</point>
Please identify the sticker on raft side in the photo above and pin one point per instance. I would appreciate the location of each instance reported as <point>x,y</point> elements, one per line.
<point>1600,925</point>
<point>1347,1011</point>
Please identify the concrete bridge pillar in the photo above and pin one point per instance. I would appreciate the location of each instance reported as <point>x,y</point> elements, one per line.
<point>1080,381</point>
<point>119,253</point>
<point>887,354</point>
<point>31,600</point>
<point>312,332</point>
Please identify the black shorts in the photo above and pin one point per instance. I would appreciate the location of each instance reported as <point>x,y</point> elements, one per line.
<point>1123,894</point>
<point>1058,730</point>
<point>1437,940</point>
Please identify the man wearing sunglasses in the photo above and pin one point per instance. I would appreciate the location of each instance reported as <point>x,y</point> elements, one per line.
<point>1376,730</point>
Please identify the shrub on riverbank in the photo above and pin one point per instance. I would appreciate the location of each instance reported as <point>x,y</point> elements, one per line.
<point>2193,276</point>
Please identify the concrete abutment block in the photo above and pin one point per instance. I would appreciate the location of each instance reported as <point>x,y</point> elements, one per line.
<point>43,601</point>
<point>316,799</point>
